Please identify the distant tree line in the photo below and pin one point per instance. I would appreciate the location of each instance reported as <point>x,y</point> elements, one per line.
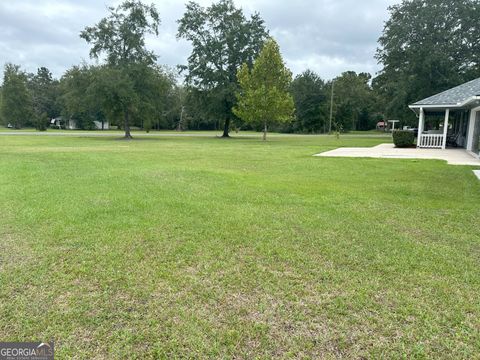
<point>87,93</point>
<point>427,46</point>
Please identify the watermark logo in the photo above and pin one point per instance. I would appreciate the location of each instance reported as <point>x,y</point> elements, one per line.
<point>26,351</point>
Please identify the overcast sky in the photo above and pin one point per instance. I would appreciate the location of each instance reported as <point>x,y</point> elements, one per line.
<point>327,36</point>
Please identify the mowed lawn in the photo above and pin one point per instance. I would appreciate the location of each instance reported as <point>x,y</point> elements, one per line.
<point>190,247</point>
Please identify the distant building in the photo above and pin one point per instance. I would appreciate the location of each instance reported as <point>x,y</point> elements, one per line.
<point>71,124</point>
<point>381,126</point>
<point>99,125</point>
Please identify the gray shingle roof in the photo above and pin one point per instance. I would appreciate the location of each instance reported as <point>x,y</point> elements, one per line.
<point>454,96</point>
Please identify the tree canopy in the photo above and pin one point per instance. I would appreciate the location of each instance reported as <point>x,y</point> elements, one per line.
<point>121,37</point>
<point>16,99</point>
<point>427,46</point>
<point>354,101</point>
<point>77,98</point>
<point>44,92</point>
<point>309,94</point>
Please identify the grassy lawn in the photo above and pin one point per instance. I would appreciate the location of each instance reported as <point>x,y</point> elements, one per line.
<point>201,133</point>
<point>205,248</point>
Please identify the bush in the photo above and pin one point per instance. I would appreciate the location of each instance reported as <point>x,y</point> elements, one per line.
<point>403,138</point>
<point>41,122</point>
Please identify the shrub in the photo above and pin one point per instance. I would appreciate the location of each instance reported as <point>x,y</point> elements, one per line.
<point>41,122</point>
<point>403,138</point>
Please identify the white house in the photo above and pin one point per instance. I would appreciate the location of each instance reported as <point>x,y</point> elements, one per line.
<point>71,124</point>
<point>60,123</point>
<point>451,118</point>
<point>99,125</point>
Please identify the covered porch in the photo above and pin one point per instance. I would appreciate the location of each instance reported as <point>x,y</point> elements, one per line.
<point>449,128</point>
<point>450,119</point>
<point>442,128</point>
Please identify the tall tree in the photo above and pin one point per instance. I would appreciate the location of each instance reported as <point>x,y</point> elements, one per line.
<point>2,121</point>
<point>264,96</point>
<point>156,88</point>
<point>427,46</point>
<point>353,97</point>
<point>16,99</point>
<point>77,99</point>
<point>148,88</point>
<point>96,93</point>
<point>44,90</point>
<point>121,37</point>
<point>309,94</point>
<point>222,39</point>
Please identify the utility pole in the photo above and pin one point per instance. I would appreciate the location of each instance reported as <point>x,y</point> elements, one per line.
<point>331,108</point>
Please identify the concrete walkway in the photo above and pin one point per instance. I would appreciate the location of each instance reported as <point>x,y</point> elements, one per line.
<point>388,151</point>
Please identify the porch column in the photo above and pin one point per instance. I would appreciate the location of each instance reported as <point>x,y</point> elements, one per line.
<point>445,129</point>
<point>471,128</point>
<point>421,125</point>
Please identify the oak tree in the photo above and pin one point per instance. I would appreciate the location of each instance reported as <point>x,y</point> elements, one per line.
<point>222,39</point>
<point>121,38</point>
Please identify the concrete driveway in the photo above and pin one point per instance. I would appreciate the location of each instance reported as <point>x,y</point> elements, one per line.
<point>389,151</point>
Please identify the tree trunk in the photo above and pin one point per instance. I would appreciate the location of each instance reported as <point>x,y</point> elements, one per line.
<point>127,136</point>
<point>265,131</point>
<point>226,127</point>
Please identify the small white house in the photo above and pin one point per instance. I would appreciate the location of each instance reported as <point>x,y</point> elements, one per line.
<point>99,125</point>
<point>450,119</point>
<point>60,123</point>
<point>71,124</point>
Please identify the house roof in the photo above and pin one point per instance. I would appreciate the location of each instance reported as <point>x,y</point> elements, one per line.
<point>457,96</point>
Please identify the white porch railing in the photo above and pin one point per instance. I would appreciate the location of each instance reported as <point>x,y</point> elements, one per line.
<point>434,141</point>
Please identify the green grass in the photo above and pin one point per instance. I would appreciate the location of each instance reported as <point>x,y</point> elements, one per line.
<point>208,133</point>
<point>170,247</point>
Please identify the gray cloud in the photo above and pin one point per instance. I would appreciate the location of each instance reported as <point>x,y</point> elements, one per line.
<point>326,36</point>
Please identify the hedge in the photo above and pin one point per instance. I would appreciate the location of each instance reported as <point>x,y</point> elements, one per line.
<point>403,138</point>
